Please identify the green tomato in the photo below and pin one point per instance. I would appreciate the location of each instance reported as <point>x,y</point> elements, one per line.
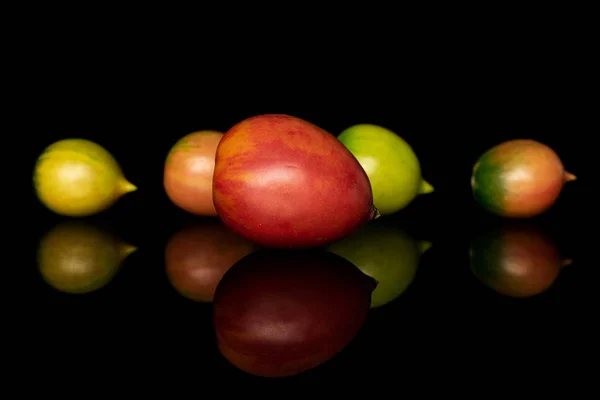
<point>386,254</point>
<point>390,163</point>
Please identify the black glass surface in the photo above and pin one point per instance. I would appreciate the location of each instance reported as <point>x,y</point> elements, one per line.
<point>142,298</point>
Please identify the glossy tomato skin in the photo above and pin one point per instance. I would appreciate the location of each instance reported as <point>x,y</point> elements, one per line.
<point>279,313</point>
<point>189,170</point>
<point>283,182</point>
<point>519,178</point>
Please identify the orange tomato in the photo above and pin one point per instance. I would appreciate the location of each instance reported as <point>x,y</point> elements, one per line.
<point>188,172</point>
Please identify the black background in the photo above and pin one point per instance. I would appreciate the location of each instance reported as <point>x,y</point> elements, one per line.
<point>450,106</point>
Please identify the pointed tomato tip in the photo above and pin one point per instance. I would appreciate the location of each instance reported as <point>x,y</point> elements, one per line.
<point>425,187</point>
<point>127,249</point>
<point>424,246</point>
<point>569,177</point>
<point>127,187</point>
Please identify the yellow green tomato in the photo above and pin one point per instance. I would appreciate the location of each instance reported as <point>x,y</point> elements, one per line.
<point>390,163</point>
<point>78,178</point>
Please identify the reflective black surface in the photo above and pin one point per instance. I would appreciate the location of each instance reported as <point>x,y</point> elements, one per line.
<point>481,291</point>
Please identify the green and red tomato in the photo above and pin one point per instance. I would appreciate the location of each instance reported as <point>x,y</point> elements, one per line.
<point>518,178</point>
